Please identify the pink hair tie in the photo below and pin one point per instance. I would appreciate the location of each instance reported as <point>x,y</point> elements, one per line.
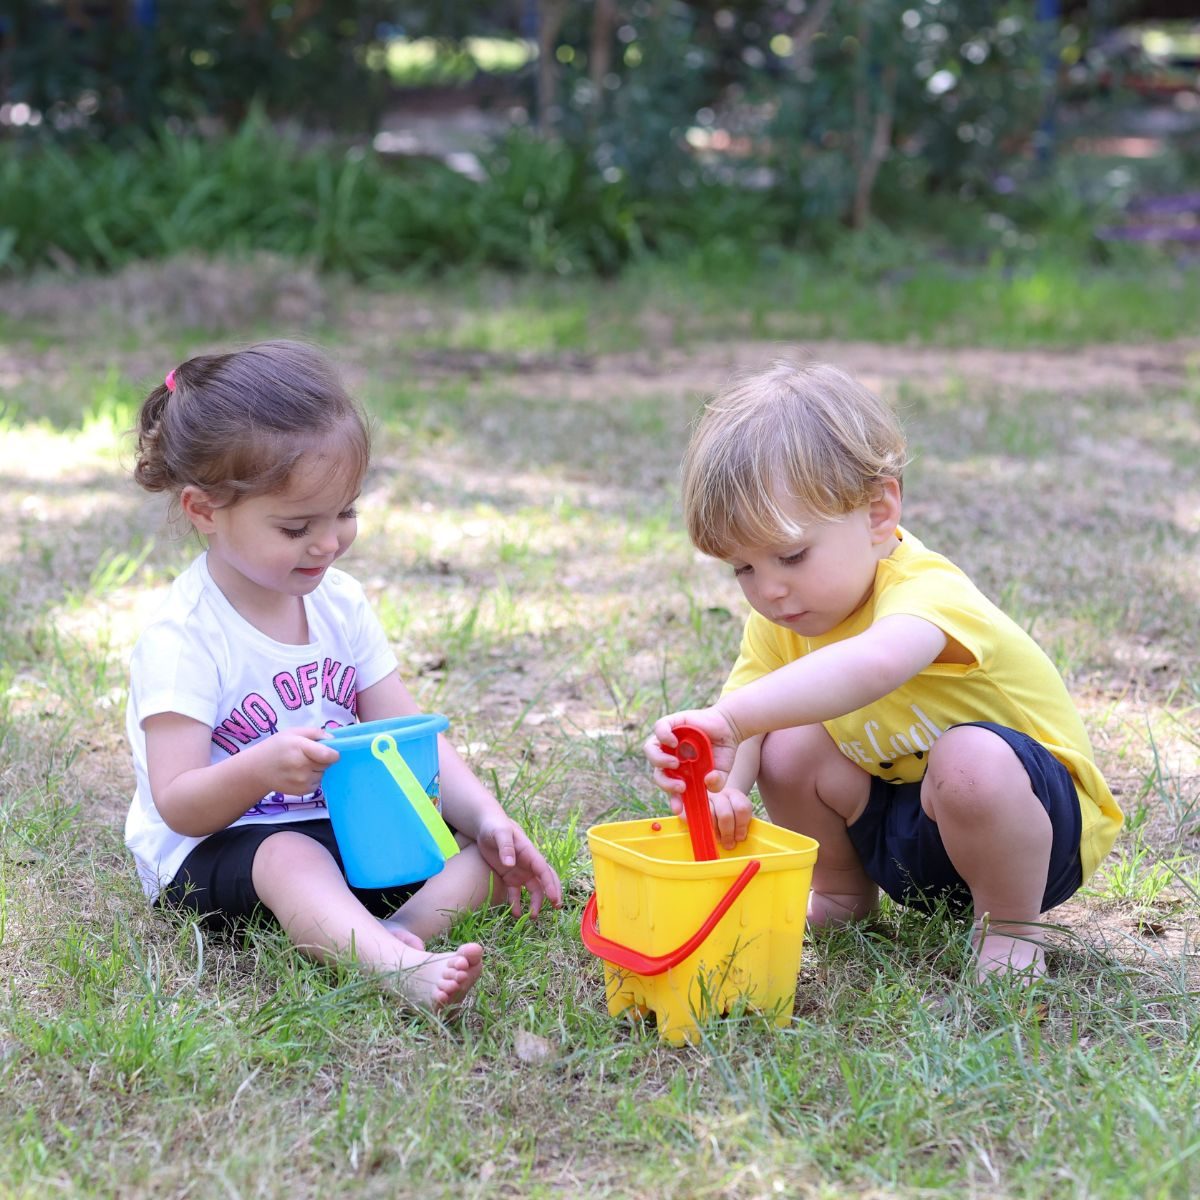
<point>170,381</point>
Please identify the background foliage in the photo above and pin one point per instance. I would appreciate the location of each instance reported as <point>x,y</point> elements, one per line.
<point>108,67</point>
<point>653,126</point>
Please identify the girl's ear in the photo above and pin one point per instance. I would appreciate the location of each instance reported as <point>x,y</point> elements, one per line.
<point>883,510</point>
<point>198,506</point>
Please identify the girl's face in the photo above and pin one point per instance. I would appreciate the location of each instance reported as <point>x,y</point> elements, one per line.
<point>281,544</point>
<point>811,586</point>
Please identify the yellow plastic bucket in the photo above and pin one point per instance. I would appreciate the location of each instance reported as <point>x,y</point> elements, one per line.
<point>688,939</point>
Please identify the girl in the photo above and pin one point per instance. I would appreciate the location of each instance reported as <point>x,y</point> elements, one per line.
<point>262,645</point>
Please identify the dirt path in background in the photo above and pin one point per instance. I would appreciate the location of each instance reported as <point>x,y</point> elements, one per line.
<point>701,369</point>
<point>695,371</point>
<point>368,328</point>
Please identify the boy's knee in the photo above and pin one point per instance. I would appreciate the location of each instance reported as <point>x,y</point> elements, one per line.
<point>774,760</point>
<point>788,755</point>
<point>803,765</point>
<point>969,767</point>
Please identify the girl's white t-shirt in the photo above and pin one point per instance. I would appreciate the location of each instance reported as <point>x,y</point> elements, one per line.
<point>201,659</point>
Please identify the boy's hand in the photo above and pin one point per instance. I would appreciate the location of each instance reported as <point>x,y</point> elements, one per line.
<point>732,812</point>
<point>518,864</point>
<point>730,807</point>
<point>722,734</point>
<point>295,760</point>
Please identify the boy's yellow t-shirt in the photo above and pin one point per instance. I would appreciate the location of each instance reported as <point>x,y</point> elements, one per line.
<point>1011,682</point>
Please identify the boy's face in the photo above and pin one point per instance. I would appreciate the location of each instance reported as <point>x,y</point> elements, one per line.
<point>812,585</point>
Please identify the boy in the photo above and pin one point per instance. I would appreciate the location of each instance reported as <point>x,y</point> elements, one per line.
<point>881,702</point>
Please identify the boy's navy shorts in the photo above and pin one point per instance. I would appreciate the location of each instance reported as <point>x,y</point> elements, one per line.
<point>901,848</point>
<point>215,880</point>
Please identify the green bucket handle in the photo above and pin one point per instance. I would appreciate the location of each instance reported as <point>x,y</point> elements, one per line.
<point>383,746</point>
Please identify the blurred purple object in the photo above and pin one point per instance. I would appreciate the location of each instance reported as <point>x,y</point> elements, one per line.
<point>1149,233</point>
<point>1185,202</point>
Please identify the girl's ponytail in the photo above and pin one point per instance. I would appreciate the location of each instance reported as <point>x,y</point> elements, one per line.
<point>236,424</point>
<point>151,469</point>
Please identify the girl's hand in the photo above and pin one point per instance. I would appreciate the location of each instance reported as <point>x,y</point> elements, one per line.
<point>295,760</point>
<point>518,864</point>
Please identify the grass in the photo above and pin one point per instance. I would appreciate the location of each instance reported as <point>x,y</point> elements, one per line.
<point>521,539</point>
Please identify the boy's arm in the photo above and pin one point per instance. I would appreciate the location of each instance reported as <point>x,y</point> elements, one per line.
<point>730,803</point>
<point>836,679</point>
<point>828,683</point>
<point>745,766</point>
<point>472,809</point>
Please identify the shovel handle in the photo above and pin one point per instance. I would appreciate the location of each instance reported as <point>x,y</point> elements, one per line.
<point>629,959</point>
<point>694,752</point>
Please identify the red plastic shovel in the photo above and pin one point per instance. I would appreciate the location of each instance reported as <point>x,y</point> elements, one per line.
<point>695,762</point>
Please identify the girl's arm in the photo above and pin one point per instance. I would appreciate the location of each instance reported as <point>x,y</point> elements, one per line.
<point>196,797</point>
<point>472,809</point>
<point>466,803</point>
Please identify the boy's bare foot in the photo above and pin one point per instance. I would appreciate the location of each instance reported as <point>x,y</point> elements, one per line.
<point>1004,948</point>
<point>402,933</point>
<point>827,909</point>
<point>437,981</point>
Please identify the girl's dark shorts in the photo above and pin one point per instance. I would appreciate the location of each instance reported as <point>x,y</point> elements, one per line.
<point>901,848</point>
<point>215,880</point>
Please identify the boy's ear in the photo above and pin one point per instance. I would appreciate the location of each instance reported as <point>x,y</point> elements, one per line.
<point>198,506</point>
<point>883,510</point>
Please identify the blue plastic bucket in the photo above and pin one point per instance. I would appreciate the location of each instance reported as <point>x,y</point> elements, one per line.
<point>384,841</point>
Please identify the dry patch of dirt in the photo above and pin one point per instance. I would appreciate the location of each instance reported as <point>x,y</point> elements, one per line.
<point>699,371</point>
<point>190,292</point>
<point>575,391</point>
<point>223,298</point>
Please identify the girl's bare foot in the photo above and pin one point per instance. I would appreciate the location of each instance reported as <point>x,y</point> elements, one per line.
<point>437,981</point>
<point>826,909</point>
<point>1005,948</point>
<point>402,933</point>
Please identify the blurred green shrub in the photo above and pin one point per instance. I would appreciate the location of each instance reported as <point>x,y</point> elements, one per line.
<point>821,102</point>
<point>96,206</point>
<point>108,67</point>
<point>712,131</point>
<point>538,205</point>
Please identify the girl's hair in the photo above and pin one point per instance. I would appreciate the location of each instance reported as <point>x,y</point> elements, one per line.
<point>795,436</point>
<point>236,424</point>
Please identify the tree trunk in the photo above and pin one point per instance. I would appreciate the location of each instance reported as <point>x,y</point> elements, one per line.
<point>876,151</point>
<point>550,21</point>
<point>604,20</point>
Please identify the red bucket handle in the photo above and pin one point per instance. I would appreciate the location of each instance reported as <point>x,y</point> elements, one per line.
<point>646,964</point>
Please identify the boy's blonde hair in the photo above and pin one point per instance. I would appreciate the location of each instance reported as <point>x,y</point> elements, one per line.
<point>797,435</point>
